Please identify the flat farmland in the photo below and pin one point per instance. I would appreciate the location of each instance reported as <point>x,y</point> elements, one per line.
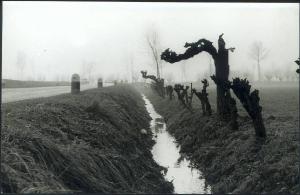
<point>280,105</point>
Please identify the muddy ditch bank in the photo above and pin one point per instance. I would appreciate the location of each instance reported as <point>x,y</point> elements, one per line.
<point>233,161</point>
<point>90,142</point>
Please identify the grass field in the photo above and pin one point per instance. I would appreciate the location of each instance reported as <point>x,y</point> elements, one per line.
<point>90,142</point>
<point>279,99</point>
<point>234,161</point>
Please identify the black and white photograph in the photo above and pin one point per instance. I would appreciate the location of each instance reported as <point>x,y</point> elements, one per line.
<point>114,97</point>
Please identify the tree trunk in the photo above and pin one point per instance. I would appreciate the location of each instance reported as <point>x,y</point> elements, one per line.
<point>233,114</point>
<point>259,127</point>
<point>157,69</point>
<point>250,101</point>
<point>222,74</point>
<point>203,107</point>
<point>220,58</point>
<point>258,71</point>
<point>207,107</point>
<point>160,85</point>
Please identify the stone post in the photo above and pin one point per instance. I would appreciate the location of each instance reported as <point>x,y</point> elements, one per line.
<point>100,83</point>
<point>75,84</point>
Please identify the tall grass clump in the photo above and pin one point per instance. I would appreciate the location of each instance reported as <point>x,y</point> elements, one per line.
<point>89,142</point>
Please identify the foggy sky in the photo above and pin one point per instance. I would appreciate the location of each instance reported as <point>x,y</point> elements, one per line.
<point>57,37</point>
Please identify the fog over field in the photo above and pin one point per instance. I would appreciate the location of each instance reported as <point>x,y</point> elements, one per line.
<point>52,40</point>
<point>145,97</point>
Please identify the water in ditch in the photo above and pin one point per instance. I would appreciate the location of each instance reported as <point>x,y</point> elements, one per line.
<point>165,153</point>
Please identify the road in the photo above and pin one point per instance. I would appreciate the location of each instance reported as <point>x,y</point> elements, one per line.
<point>17,94</point>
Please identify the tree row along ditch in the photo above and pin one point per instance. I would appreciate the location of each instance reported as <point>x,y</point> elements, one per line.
<point>90,142</point>
<point>219,140</point>
<point>233,160</point>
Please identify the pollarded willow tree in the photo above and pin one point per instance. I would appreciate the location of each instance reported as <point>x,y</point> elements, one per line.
<point>220,58</point>
<point>158,84</point>
<point>298,62</point>
<point>203,97</point>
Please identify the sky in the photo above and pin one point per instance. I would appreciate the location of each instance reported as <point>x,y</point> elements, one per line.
<point>57,39</point>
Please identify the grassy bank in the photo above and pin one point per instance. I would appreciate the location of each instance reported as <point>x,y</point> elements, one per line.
<point>90,142</point>
<point>8,83</point>
<point>234,161</point>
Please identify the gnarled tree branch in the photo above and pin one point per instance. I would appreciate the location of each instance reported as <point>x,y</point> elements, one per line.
<point>192,50</point>
<point>152,77</point>
<point>224,84</point>
<point>220,58</point>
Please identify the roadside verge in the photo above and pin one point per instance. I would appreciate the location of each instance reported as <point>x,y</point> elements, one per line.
<point>90,142</point>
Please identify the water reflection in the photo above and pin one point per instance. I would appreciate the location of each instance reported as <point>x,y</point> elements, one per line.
<point>165,153</point>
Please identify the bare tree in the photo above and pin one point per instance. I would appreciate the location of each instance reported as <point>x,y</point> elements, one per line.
<point>57,78</point>
<point>62,77</point>
<point>21,63</point>
<point>269,75</point>
<point>258,53</point>
<point>83,73</point>
<point>87,69</point>
<point>278,74</point>
<point>135,76</point>
<point>203,97</point>
<point>220,58</point>
<point>41,77</point>
<point>133,73</point>
<point>154,45</point>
